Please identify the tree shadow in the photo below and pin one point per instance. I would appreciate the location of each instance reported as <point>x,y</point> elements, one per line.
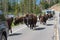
<point>49,24</point>
<point>15,34</point>
<point>39,28</point>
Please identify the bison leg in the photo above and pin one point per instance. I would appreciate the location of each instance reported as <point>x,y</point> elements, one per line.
<point>11,30</point>
<point>27,24</point>
<point>31,26</point>
<point>44,23</point>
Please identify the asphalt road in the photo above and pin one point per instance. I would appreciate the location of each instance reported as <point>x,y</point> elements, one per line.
<point>41,32</point>
<point>59,27</point>
<point>59,31</point>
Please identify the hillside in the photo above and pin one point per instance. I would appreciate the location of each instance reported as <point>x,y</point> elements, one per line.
<point>56,7</point>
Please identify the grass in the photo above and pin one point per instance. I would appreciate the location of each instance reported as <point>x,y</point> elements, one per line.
<point>12,25</point>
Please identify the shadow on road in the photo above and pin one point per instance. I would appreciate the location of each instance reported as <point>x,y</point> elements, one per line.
<point>15,34</point>
<point>36,26</point>
<point>50,19</point>
<point>39,28</point>
<point>49,24</point>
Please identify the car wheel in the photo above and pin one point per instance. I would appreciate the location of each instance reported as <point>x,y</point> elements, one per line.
<point>3,37</point>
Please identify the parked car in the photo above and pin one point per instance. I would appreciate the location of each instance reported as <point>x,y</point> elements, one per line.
<point>3,27</point>
<point>50,11</point>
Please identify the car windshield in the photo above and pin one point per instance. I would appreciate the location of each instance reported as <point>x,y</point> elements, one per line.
<point>48,11</point>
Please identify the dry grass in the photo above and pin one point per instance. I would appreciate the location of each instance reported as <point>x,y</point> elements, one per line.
<point>56,7</point>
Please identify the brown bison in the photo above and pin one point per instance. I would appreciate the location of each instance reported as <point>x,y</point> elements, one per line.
<point>30,19</point>
<point>18,20</point>
<point>50,15</point>
<point>43,18</point>
<point>9,21</point>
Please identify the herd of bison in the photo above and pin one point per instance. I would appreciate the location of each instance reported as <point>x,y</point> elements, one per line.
<point>29,19</point>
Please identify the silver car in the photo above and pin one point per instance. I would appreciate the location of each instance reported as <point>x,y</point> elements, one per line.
<point>3,27</point>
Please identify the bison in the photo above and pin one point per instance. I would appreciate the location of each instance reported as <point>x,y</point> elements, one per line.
<point>9,21</point>
<point>18,20</point>
<point>50,15</point>
<point>43,18</point>
<point>30,19</point>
